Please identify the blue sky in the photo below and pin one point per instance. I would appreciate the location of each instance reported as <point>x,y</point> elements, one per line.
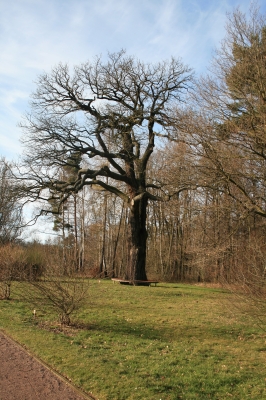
<point>35,35</point>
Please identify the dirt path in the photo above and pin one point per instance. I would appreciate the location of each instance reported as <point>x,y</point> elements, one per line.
<point>23,377</point>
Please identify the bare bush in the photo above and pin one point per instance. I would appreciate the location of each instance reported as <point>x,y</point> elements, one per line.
<point>63,294</point>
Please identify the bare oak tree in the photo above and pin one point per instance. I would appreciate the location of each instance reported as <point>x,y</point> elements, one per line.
<point>110,113</point>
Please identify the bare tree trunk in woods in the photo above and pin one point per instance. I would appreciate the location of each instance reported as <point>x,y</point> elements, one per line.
<point>116,242</point>
<point>82,239</point>
<point>76,255</point>
<point>161,230</point>
<point>102,266</point>
<point>64,241</point>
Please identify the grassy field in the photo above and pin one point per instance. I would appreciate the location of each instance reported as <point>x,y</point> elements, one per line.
<point>167,342</point>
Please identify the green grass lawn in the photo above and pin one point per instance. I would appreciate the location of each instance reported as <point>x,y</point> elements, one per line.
<point>167,342</point>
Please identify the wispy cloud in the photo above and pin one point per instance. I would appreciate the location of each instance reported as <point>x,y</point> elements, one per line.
<point>37,34</point>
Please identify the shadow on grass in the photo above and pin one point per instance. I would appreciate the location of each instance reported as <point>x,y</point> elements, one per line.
<point>122,328</point>
<point>185,287</point>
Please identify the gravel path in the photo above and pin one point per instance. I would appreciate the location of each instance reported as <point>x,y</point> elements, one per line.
<point>23,377</point>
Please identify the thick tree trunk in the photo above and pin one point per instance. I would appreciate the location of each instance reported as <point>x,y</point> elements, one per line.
<point>137,239</point>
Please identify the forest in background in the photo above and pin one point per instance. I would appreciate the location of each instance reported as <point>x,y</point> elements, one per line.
<point>206,209</point>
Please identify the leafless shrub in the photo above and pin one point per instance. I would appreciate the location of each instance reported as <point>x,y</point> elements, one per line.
<point>64,294</point>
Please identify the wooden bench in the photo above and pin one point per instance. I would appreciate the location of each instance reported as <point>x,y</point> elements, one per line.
<point>134,282</point>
